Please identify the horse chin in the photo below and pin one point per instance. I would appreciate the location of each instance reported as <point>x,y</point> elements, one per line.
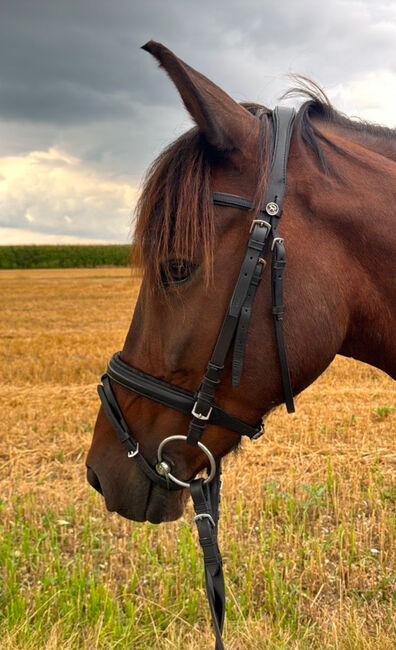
<point>165,506</point>
<point>140,500</point>
<point>160,506</point>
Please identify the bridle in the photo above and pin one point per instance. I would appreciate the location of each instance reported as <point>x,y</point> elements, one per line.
<point>201,405</point>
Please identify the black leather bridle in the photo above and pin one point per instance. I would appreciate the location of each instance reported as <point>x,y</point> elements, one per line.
<point>201,405</point>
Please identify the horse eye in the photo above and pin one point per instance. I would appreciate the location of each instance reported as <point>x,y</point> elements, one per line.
<point>176,272</point>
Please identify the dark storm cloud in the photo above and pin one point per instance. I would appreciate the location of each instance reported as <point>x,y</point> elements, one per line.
<point>75,61</point>
<point>73,78</point>
<point>68,62</point>
<point>60,62</point>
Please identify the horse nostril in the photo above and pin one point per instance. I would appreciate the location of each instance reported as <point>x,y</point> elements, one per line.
<point>93,480</point>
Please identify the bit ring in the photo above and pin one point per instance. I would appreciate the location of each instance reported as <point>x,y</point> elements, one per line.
<point>206,451</point>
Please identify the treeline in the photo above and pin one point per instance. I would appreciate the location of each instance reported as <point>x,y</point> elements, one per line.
<point>61,257</point>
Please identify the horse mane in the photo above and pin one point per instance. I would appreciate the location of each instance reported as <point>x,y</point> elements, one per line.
<point>317,110</point>
<point>175,214</point>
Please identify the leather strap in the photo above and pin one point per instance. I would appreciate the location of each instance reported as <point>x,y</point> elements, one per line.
<point>210,381</point>
<point>117,420</point>
<point>278,309</point>
<point>240,307</point>
<point>231,201</point>
<point>172,396</point>
<point>206,500</point>
<point>283,119</point>
<point>243,325</point>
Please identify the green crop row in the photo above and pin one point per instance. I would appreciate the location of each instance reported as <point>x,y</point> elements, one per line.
<point>47,257</point>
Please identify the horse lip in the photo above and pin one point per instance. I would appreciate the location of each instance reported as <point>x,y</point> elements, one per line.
<point>156,509</point>
<point>140,500</point>
<point>93,480</point>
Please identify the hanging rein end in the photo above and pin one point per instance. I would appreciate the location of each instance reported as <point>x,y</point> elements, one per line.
<point>290,405</point>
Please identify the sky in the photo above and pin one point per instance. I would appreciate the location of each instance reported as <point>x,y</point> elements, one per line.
<point>83,110</point>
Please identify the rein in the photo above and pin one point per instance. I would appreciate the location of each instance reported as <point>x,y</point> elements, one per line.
<point>201,404</point>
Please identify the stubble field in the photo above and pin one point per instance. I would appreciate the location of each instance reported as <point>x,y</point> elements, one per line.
<point>308,522</point>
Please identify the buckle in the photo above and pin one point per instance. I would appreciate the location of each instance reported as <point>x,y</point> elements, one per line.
<point>261,223</point>
<point>200,416</point>
<point>276,240</point>
<point>131,454</point>
<point>258,433</point>
<point>205,515</point>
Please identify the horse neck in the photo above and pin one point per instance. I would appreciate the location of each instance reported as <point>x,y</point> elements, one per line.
<point>362,213</point>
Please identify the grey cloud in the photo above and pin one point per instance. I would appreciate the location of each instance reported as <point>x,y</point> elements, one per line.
<point>72,74</point>
<point>62,102</point>
<point>69,62</point>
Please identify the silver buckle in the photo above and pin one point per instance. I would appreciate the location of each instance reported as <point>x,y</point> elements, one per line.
<point>259,433</point>
<point>276,239</point>
<point>131,454</point>
<point>205,515</point>
<point>261,223</point>
<point>199,416</point>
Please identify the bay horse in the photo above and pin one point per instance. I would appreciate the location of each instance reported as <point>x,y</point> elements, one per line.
<point>339,287</point>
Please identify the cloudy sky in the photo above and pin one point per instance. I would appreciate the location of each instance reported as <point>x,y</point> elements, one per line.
<point>83,110</point>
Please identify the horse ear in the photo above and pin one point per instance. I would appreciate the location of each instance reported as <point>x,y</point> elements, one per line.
<point>226,124</point>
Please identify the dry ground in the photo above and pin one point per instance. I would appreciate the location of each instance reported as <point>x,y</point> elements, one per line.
<point>308,519</point>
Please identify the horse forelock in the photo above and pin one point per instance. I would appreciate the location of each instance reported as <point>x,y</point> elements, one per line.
<point>175,213</point>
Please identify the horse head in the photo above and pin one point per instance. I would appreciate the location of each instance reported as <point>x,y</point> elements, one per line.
<point>192,251</point>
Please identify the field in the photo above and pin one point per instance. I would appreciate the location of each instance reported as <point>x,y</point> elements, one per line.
<point>308,523</point>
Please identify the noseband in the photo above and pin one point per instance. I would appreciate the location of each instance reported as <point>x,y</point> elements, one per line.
<point>200,404</point>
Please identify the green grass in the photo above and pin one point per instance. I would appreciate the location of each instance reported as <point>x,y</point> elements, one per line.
<point>382,412</point>
<point>65,569</point>
<point>79,256</point>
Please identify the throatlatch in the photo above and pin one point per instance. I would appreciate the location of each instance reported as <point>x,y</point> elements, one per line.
<point>201,405</point>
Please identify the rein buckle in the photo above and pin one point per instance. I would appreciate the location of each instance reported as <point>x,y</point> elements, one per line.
<point>204,515</point>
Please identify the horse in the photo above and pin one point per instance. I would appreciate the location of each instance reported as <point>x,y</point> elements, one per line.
<point>339,282</point>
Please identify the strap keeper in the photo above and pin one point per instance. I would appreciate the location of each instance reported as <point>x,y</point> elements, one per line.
<point>214,366</point>
<point>209,383</point>
<point>212,374</point>
<point>278,310</point>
